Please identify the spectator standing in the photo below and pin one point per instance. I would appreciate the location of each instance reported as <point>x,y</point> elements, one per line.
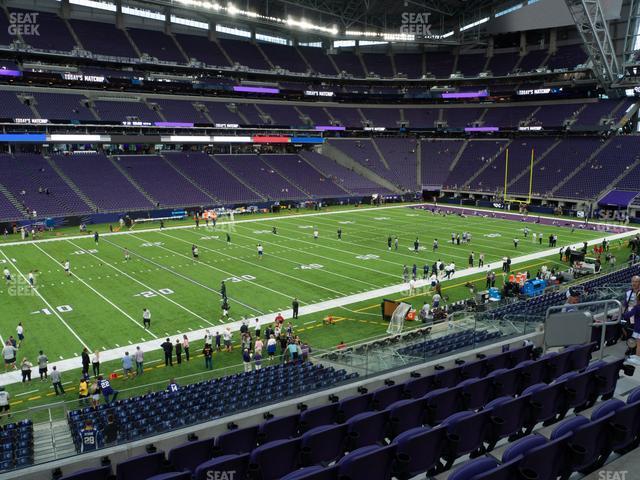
<point>295,306</point>
<point>246,360</point>
<point>56,381</point>
<point>257,360</point>
<point>271,347</point>
<point>42,366</point>
<point>110,431</point>
<point>95,363</point>
<point>83,392</point>
<point>85,362</point>
<point>167,346</point>
<point>257,329</point>
<point>127,365</point>
<point>139,357</point>
<point>5,406</point>
<point>185,347</point>
<point>178,351</point>
<point>89,436</point>
<point>226,335</point>
<point>293,351</point>
<point>25,367</point>
<point>217,341</point>
<point>207,352</point>
<point>257,348</point>
<point>94,392</point>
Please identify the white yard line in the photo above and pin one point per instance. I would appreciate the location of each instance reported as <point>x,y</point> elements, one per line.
<point>184,277</point>
<point>277,292</point>
<point>218,252</point>
<point>335,260</point>
<point>51,309</point>
<point>114,354</point>
<point>144,285</point>
<point>99,294</point>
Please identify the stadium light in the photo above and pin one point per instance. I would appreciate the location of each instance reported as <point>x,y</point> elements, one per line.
<point>474,24</point>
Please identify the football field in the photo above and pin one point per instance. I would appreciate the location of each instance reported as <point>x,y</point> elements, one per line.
<point>99,305</point>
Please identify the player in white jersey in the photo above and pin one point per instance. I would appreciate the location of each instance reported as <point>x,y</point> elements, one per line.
<point>260,251</point>
<point>31,279</point>
<point>67,267</point>
<point>7,275</point>
<point>315,233</point>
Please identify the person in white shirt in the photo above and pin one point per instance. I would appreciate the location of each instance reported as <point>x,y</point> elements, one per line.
<point>315,233</point>
<point>260,250</point>
<point>20,332</point>
<point>4,402</point>
<point>139,358</point>
<point>146,318</point>
<point>226,337</point>
<point>436,300</point>
<point>67,267</point>
<point>31,279</point>
<point>412,286</point>
<point>7,275</point>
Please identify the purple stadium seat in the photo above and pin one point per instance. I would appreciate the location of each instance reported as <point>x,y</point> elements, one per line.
<point>317,416</point>
<point>368,463</point>
<point>237,441</point>
<point>367,428</point>
<point>99,473</point>
<point>419,449</point>
<point>273,460</point>
<point>323,444</point>
<point>314,473</point>
<point>188,456</point>
<point>219,466</point>
<point>279,428</point>
<point>508,417</point>
<point>142,466</point>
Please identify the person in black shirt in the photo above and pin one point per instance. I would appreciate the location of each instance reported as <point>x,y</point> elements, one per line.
<point>223,290</point>
<point>110,431</point>
<point>85,362</point>
<point>295,305</point>
<point>167,346</point>
<point>178,351</point>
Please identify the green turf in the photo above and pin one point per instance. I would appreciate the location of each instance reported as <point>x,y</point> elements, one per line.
<point>100,306</point>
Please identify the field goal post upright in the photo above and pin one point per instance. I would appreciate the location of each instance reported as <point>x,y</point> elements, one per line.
<point>505,197</point>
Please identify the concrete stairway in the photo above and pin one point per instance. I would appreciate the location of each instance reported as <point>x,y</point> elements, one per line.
<point>52,441</point>
<point>487,164</point>
<point>14,201</point>
<point>71,184</point>
<point>132,181</point>
<point>232,173</point>
<point>190,180</point>
<point>582,165</point>
<point>343,159</point>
